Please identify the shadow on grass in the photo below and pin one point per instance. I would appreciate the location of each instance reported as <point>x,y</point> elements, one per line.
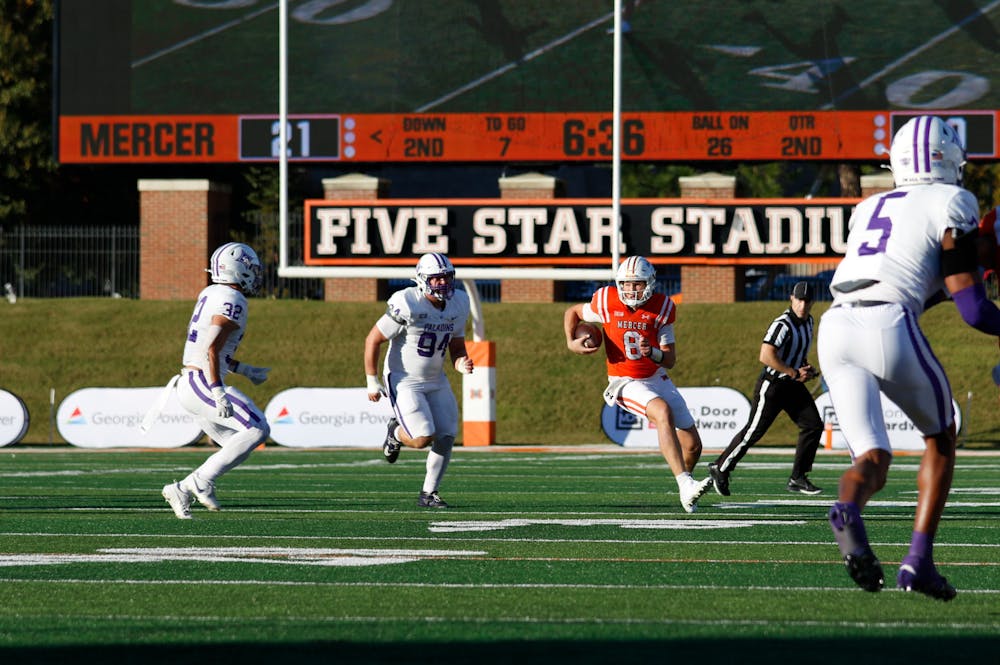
<point>718,651</point>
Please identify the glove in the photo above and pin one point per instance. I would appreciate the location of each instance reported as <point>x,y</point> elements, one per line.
<point>257,375</point>
<point>375,386</point>
<point>463,364</point>
<point>222,404</point>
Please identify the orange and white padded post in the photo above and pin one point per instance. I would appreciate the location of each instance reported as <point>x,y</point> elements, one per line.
<point>479,404</point>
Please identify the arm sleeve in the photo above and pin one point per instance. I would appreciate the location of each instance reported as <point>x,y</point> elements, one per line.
<point>977,310</point>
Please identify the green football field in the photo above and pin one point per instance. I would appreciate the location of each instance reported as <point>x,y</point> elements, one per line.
<point>393,56</point>
<point>581,556</point>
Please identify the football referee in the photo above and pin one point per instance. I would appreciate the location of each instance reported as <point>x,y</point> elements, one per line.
<point>781,387</point>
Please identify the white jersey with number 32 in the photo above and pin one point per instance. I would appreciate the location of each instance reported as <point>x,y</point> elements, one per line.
<point>215,299</point>
<point>420,333</point>
<point>895,240</point>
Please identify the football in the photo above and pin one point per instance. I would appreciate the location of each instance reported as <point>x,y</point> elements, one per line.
<point>590,331</point>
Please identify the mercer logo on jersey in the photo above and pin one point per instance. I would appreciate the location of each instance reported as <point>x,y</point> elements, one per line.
<point>76,418</point>
<point>284,417</point>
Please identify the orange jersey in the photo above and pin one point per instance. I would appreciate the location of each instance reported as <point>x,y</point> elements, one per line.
<point>988,229</point>
<point>623,328</point>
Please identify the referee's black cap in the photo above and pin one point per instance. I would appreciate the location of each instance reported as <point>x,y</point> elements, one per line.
<point>803,291</point>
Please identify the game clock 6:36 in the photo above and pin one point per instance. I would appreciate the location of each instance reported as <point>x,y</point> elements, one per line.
<point>581,139</point>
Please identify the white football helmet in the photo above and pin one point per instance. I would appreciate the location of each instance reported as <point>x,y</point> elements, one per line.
<point>924,150</point>
<point>635,269</point>
<point>435,265</point>
<point>236,263</point>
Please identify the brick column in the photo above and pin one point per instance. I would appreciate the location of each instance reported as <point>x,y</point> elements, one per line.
<point>181,222</point>
<point>876,183</point>
<point>354,187</point>
<point>531,186</point>
<point>700,283</point>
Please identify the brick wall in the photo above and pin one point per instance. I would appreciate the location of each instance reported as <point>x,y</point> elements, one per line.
<point>710,283</point>
<point>354,187</point>
<point>526,186</point>
<point>181,224</point>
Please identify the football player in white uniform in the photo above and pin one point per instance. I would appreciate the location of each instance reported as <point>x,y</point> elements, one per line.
<point>421,323</point>
<point>903,246</point>
<point>228,416</point>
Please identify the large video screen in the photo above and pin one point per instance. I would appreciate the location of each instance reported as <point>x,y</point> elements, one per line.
<point>518,80</point>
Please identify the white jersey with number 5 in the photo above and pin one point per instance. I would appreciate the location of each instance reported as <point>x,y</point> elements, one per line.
<point>895,240</point>
<point>215,299</point>
<point>419,332</point>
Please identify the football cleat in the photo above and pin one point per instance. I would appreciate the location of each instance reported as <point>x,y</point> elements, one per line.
<point>924,579</point>
<point>431,500</point>
<point>693,491</point>
<point>720,479</point>
<point>802,485</point>
<point>866,570</point>
<point>179,500</point>
<point>203,490</point>
<point>852,540</point>
<point>392,445</point>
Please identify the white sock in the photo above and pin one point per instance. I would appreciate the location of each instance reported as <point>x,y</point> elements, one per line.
<point>437,462</point>
<point>684,479</point>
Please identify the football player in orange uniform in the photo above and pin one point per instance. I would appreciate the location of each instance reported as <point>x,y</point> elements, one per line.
<point>988,249</point>
<point>640,347</point>
<point>988,244</point>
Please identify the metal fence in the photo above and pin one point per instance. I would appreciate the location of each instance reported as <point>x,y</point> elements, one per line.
<point>71,261</point>
<point>68,261</point>
<point>65,261</point>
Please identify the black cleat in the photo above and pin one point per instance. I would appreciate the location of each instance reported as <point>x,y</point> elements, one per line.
<point>391,447</point>
<point>720,479</point>
<point>802,485</point>
<point>866,570</point>
<point>431,500</point>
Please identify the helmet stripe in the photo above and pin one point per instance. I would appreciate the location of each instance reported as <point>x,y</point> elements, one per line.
<point>927,144</point>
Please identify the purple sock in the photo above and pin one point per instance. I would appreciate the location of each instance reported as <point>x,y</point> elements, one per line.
<point>848,528</point>
<point>921,546</point>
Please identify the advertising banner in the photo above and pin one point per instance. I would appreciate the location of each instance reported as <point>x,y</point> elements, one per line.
<point>903,434</point>
<point>13,418</point>
<point>574,232</point>
<point>327,417</point>
<point>110,418</point>
<point>719,414</point>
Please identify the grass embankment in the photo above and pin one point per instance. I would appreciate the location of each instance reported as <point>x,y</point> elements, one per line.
<point>545,394</point>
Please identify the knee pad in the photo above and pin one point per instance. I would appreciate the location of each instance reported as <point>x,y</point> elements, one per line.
<point>443,444</point>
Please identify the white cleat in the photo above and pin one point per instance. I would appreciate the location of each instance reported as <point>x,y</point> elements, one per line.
<point>694,491</point>
<point>178,499</point>
<point>203,490</point>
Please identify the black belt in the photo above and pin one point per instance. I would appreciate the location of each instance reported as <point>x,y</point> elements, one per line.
<point>862,303</point>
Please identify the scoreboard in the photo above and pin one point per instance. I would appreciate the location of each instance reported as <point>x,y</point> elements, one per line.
<point>500,137</point>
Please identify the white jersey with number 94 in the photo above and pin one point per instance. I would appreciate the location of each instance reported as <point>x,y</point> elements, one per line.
<point>419,332</point>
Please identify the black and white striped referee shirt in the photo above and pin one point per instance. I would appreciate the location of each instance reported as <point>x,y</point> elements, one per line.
<point>792,337</point>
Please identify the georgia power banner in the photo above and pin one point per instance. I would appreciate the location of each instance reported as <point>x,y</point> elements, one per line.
<point>327,417</point>
<point>13,418</point>
<point>110,418</point>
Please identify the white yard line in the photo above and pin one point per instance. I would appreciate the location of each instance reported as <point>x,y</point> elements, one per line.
<point>895,64</point>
